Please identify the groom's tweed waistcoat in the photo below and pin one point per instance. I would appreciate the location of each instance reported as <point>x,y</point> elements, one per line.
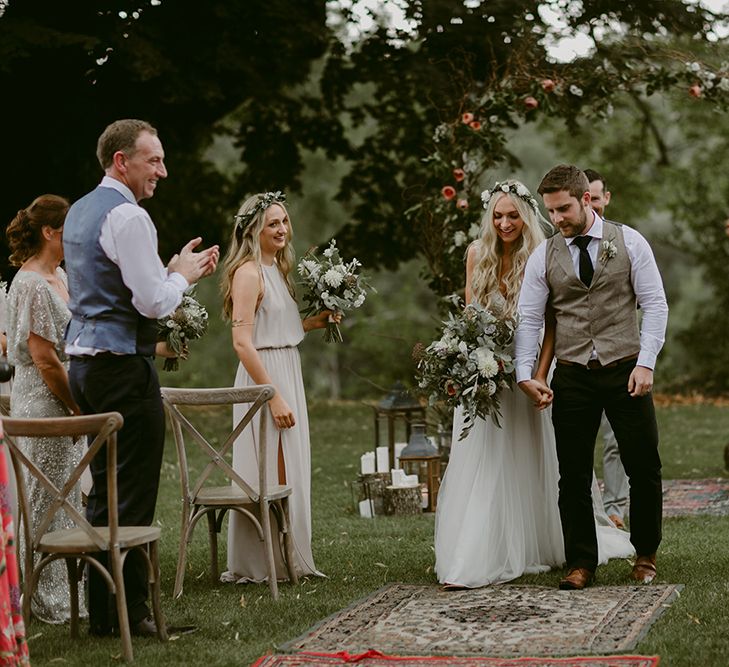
<point>102,314</point>
<point>605,315</point>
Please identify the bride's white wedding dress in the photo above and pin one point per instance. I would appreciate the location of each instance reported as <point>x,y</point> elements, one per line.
<point>497,515</point>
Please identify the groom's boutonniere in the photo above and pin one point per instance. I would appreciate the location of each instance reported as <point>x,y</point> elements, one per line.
<point>608,251</point>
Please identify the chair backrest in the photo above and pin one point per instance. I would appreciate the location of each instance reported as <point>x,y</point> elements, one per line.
<point>4,404</point>
<point>101,430</point>
<point>256,395</point>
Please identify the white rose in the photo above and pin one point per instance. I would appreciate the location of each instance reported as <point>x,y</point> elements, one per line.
<point>575,90</point>
<point>504,188</point>
<point>492,387</point>
<point>522,191</point>
<point>474,231</point>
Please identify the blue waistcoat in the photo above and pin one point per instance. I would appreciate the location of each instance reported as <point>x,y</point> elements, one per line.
<point>102,314</point>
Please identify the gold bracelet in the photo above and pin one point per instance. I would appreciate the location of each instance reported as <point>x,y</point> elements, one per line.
<point>241,323</point>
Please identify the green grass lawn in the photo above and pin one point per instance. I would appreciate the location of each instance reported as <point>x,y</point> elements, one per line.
<point>238,623</point>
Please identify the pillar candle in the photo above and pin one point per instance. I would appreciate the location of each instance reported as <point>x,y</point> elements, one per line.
<point>367,463</point>
<point>383,459</point>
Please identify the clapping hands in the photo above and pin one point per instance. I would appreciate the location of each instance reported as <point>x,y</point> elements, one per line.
<point>195,265</point>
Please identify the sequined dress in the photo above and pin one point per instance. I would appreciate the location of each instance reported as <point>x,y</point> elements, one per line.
<point>34,306</point>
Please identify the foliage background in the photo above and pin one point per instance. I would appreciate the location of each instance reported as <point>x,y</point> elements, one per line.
<point>304,97</point>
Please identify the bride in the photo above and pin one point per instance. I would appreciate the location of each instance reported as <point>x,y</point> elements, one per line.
<point>497,515</point>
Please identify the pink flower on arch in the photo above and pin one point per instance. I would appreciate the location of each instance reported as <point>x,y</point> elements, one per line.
<point>462,204</point>
<point>548,85</point>
<point>531,102</point>
<point>467,117</point>
<point>459,174</point>
<point>448,192</point>
<point>695,90</point>
<point>475,125</point>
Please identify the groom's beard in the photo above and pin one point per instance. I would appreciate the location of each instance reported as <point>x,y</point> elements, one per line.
<point>570,229</point>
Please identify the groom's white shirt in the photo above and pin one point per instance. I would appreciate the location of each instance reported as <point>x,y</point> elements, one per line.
<point>647,285</point>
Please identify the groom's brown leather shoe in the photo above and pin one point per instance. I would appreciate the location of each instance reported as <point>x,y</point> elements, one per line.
<point>577,578</point>
<point>644,570</point>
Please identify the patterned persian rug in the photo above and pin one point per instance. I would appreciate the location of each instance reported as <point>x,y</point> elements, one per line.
<point>498,621</point>
<point>682,497</point>
<point>376,659</point>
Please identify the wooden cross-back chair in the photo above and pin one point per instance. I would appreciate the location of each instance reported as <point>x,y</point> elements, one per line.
<point>200,498</point>
<point>83,541</point>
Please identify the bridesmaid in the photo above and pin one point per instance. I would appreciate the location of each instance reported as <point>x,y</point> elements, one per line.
<point>36,321</point>
<point>258,297</point>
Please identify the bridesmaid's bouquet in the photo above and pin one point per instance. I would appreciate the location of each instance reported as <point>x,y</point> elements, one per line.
<point>331,284</point>
<point>469,364</point>
<point>188,322</point>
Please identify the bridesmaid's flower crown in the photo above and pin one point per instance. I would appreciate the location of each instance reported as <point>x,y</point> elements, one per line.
<point>242,220</point>
<point>510,188</point>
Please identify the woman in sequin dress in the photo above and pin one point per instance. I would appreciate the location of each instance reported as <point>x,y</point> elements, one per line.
<point>36,322</point>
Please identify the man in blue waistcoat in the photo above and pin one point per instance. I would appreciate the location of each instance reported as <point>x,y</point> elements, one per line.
<point>119,287</point>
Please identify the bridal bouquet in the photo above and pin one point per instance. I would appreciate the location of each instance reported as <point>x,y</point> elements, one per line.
<point>188,322</point>
<point>331,284</point>
<point>469,364</point>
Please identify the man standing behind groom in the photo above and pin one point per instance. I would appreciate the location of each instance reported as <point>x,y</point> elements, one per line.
<point>119,287</point>
<point>595,273</point>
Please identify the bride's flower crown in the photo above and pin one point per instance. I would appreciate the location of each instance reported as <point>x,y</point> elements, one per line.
<point>510,188</point>
<point>242,220</point>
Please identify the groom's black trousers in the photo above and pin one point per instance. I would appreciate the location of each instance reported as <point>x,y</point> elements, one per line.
<point>580,396</point>
<point>127,384</point>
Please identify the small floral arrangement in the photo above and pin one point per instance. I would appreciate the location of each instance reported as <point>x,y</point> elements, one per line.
<point>608,251</point>
<point>469,364</point>
<point>188,322</point>
<point>332,284</point>
<point>510,188</point>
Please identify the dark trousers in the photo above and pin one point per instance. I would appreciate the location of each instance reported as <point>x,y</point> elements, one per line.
<point>580,396</point>
<point>128,385</point>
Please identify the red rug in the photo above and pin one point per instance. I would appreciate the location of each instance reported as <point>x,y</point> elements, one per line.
<point>377,659</point>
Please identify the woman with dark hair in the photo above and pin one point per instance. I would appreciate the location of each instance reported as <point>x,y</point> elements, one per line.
<point>266,326</point>
<point>37,316</point>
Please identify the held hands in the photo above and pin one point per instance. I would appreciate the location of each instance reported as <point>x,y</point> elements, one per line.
<point>195,265</point>
<point>282,414</point>
<point>538,391</point>
<point>640,381</point>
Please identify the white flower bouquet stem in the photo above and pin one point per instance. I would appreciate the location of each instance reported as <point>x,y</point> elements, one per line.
<point>331,284</point>
<point>188,322</point>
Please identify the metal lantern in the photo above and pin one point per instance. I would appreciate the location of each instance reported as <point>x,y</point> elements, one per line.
<point>421,458</point>
<point>398,407</point>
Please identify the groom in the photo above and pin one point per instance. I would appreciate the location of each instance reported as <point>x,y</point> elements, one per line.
<point>595,274</point>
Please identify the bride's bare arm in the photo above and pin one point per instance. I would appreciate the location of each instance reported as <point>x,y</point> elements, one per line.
<point>245,290</point>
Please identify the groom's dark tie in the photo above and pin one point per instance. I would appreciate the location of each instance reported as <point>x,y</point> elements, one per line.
<point>586,270</point>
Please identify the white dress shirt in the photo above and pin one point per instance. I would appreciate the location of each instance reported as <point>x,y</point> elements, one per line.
<point>129,239</point>
<point>644,276</point>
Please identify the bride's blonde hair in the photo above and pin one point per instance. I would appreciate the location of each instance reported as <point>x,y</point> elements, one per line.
<point>490,248</point>
<point>245,245</point>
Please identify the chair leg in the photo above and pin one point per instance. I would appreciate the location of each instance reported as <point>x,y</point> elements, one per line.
<point>289,543</point>
<point>121,604</point>
<point>159,619</point>
<point>268,546</point>
<point>213,538</point>
<point>182,557</point>
<point>72,569</point>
